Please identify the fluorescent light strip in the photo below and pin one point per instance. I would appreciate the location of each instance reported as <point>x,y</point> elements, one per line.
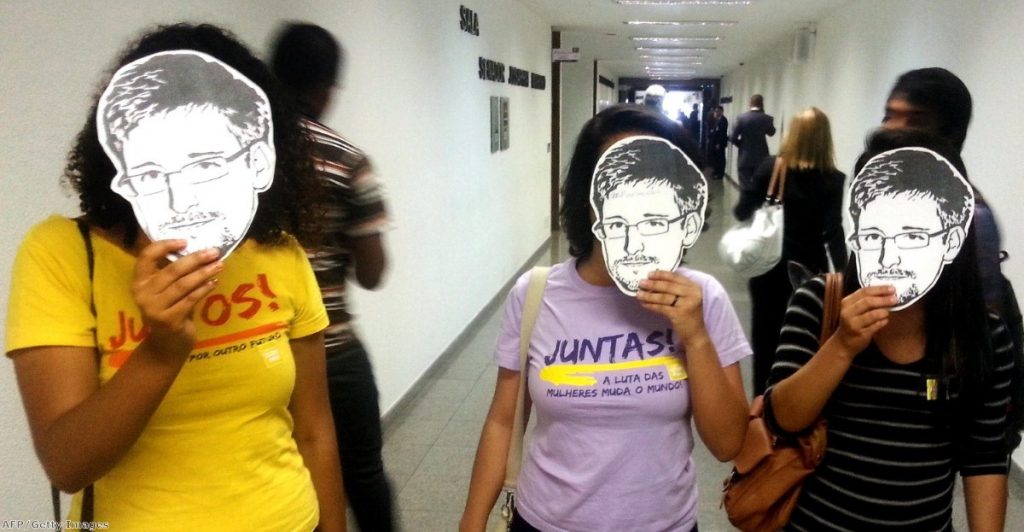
<point>676,39</point>
<point>664,64</point>
<point>674,48</point>
<point>668,57</point>
<point>683,2</point>
<point>703,23</point>
<point>670,60</point>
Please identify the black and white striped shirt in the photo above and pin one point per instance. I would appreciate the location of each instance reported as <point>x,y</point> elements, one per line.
<point>354,208</point>
<point>891,453</point>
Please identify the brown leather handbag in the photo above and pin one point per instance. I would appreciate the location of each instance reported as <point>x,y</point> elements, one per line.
<point>768,474</point>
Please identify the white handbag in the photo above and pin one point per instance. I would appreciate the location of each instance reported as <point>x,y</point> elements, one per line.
<point>754,247</point>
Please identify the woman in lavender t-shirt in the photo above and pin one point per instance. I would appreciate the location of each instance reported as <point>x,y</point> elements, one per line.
<point>614,380</point>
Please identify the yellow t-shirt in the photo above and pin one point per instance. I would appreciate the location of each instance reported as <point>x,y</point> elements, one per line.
<point>218,453</point>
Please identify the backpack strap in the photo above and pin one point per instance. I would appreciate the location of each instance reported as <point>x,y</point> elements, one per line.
<point>83,228</point>
<point>88,496</point>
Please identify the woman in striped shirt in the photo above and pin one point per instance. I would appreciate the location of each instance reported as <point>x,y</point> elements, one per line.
<point>913,395</point>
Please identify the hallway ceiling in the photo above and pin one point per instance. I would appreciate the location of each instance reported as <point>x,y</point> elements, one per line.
<point>758,24</point>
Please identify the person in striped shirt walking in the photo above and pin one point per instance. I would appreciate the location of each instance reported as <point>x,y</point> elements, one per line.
<point>307,60</point>
<point>911,396</point>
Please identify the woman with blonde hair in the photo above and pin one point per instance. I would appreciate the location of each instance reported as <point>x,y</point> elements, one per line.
<point>813,226</point>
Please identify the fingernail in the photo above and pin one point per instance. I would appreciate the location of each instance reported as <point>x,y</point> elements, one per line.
<point>644,283</point>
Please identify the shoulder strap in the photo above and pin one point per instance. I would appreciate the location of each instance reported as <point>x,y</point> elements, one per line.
<point>531,308</point>
<point>86,514</point>
<point>777,185</point>
<point>832,305</point>
<point>83,228</point>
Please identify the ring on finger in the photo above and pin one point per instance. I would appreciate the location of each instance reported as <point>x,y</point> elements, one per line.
<point>674,300</point>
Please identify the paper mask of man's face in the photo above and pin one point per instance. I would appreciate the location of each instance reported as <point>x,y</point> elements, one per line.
<point>649,200</point>
<point>192,141</point>
<point>910,211</point>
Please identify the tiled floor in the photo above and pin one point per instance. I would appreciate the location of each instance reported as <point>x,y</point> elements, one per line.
<point>430,443</point>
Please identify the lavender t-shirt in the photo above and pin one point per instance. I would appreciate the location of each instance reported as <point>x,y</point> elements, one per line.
<point>612,446</point>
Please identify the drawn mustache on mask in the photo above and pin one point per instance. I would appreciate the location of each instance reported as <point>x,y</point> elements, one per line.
<point>633,261</point>
<point>190,220</point>
<point>892,274</point>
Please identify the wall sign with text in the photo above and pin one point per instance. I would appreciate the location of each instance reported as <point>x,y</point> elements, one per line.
<point>490,70</point>
<point>469,22</point>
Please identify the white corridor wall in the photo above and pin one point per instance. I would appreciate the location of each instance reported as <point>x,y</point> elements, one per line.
<point>464,219</point>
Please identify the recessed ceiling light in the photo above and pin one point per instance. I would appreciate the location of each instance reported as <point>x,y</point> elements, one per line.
<point>674,48</point>
<point>683,2</point>
<point>674,63</point>
<point>703,23</point>
<point>677,39</point>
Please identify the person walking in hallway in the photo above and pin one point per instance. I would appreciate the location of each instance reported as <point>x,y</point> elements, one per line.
<point>156,411</point>
<point>718,140</point>
<point>934,99</point>
<point>750,135</point>
<point>307,59</point>
<point>596,445</point>
<point>812,226</point>
<point>915,380</point>
<point>693,123</point>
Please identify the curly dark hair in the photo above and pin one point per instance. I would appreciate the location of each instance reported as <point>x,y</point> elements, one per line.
<point>289,206</point>
<point>615,120</point>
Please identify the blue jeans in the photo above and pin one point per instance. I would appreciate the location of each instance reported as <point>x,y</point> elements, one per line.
<point>353,396</point>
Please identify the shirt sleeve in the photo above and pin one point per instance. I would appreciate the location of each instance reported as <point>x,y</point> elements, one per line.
<point>506,351</point>
<point>737,132</point>
<point>988,246</point>
<point>50,290</point>
<point>723,325</point>
<point>798,339</point>
<point>310,314</point>
<point>365,213</point>
<point>984,452</point>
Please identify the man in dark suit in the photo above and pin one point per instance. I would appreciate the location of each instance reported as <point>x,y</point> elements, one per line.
<point>718,139</point>
<point>693,124</point>
<point>750,136</point>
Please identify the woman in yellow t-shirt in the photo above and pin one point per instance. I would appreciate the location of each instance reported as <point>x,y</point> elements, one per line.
<point>185,394</point>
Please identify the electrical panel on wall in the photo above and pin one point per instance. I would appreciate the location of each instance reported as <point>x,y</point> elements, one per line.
<point>495,124</point>
<point>504,123</point>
